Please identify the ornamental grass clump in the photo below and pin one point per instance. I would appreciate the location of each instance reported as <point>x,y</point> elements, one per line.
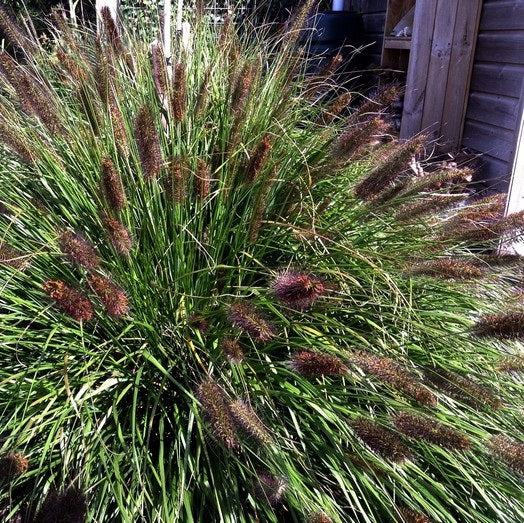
<point>219,304</point>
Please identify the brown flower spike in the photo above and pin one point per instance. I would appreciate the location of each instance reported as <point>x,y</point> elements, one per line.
<point>78,250</point>
<point>246,317</point>
<point>217,413</point>
<point>232,350</point>
<point>381,440</point>
<point>395,376</point>
<point>310,363</point>
<point>297,289</point>
<point>71,301</point>
<point>510,451</point>
<point>429,430</point>
<point>112,186</point>
<point>148,143</point>
<point>247,418</point>
<point>114,299</point>
<point>118,235</point>
<point>12,465</point>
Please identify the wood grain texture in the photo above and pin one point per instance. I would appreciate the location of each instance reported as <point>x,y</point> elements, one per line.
<point>460,66</point>
<point>419,61</point>
<point>488,139</point>
<point>497,110</point>
<point>497,78</point>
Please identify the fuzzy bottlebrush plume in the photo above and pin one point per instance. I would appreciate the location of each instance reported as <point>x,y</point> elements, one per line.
<point>102,78</point>
<point>241,88</point>
<point>78,250</point>
<point>477,222</point>
<point>158,62</point>
<point>485,231</point>
<point>148,143</point>
<point>383,441</point>
<point>69,505</point>
<point>270,488</point>
<point>118,235</point>
<point>232,350</point>
<point>297,289</point>
<point>13,34</point>
<point>12,465</point>
<point>463,389</point>
<point>369,109</point>
<point>178,97</point>
<point>334,109</point>
<point>510,451</point>
<point>73,302</point>
<point>112,186</point>
<point>35,98</point>
<point>71,69</point>
<point>247,318</point>
<point>318,517</point>
<point>503,326</point>
<point>202,179</point>
<point>12,257</point>
<point>320,79</point>
<point>395,162</point>
<point>356,138</point>
<point>447,268</point>
<point>258,158</point>
<point>16,143</point>
<point>310,363</point>
<point>432,204</point>
<point>440,180</point>
<point>217,413</point>
<point>394,376</point>
<point>425,429</point>
<point>119,128</point>
<point>511,364</point>
<point>111,30</point>
<point>411,516</point>
<point>114,299</point>
<point>175,181</point>
<point>246,418</point>
<point>203,93</point>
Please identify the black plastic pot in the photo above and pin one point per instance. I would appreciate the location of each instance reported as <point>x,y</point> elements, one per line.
<point>336,29</point>
<point>335,32</point>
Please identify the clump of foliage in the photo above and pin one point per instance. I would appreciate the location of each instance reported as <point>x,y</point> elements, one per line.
<point>226,296</point>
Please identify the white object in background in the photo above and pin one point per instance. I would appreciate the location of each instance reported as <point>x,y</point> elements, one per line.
<point>113,8</point>
<point>338,5</point>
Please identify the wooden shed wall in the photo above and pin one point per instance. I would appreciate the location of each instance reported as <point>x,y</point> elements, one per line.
<point>374,16</point>
<point>497,77</point>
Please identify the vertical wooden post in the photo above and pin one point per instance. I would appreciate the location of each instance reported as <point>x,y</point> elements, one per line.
<point>439,70</point>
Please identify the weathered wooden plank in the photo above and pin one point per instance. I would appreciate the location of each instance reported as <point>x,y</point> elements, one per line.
<point>492,174</point>
<point>459,72</point>
<point>397,43</point>
<point>439,63</point>
<point>502,16</point>
<point>489,139</point>
<point>497,78</point>
<point>493,109</point>
<point>418,68</point>
<point>501,47</point>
